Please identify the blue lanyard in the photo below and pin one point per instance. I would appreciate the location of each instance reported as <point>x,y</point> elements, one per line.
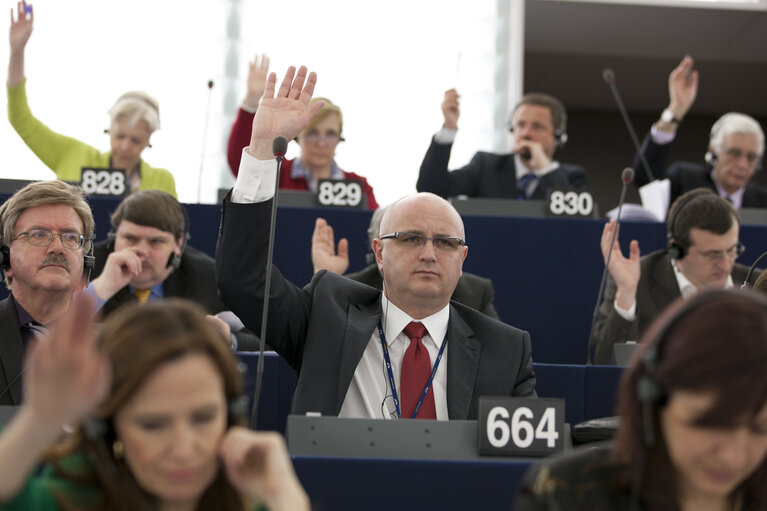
<point>393,386</point>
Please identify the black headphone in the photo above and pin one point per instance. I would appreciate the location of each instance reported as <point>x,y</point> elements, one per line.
<point>174,259</point>
<point>653,393</point>
<point>675,249</point>
<point>557,111</point>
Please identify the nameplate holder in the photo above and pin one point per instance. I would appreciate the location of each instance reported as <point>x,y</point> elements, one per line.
<point>510,426</point>
<point>108,182</point>
<point>569,203</point>
<point>340,193</point>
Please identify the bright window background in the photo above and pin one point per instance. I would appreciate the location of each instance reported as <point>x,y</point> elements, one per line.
<point>385,64</point>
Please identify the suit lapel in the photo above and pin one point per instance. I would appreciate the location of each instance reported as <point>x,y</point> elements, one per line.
<point>11,349</point>
<point>362,321</point>
<point>462,364</point>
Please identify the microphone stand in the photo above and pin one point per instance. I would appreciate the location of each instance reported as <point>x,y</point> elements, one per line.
<point>279,146</point>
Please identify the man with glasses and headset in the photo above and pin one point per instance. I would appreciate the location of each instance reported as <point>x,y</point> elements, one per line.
<point>47,230</point>
<point>359,352</point>
<point>736,146</point>
<point>702,230</point>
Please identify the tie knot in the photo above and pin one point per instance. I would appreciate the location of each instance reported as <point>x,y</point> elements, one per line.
<point>415,330</point>
<point>142,295</point>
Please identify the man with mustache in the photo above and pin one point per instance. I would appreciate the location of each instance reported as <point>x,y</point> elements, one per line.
<point>46,231</point>
<point>146,257</point>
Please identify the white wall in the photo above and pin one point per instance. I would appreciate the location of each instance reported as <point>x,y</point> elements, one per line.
<point>386,64</point>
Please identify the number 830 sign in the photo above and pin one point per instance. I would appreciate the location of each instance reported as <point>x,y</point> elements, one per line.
<point>510,426</point>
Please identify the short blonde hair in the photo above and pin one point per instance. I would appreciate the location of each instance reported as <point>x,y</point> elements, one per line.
<point>41,193</point>
<point>136,106</point>
<point>329,109</point>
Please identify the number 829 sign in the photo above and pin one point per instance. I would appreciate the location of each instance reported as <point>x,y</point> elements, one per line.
<point>509,426</point>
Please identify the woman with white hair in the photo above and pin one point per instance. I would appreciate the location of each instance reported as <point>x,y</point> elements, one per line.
<point>134,117</point>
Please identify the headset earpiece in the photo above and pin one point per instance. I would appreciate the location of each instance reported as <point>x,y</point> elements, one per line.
<point>710,157</point>
<point>675,250</point>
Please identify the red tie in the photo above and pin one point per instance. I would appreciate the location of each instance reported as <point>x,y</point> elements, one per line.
<point>416,368</point>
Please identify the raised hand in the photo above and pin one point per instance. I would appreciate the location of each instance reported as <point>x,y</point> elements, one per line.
<point>257,72</point>
<point>258,466</point>
<point>285,112</point>
<point>324,256</point>
<point>21,27</point>
<point>451,109</point>
<point>682,87</point>
<point>625,271</point>
<point>66,376</point>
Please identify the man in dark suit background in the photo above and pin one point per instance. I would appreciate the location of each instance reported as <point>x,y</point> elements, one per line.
<point>338,333</point>
<point>146,257</point>
<point>539,125</point>
<point>472,290</point>
<point>736,146</point>
<point>47,230</point>
<point>703,230</point>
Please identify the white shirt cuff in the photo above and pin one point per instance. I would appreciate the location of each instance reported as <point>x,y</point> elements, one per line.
<point>629,314</point>
<point>661,137</point>
<point>445,136</point>
<point>255,180</point>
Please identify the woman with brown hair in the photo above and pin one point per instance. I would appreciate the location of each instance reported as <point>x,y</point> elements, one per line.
<point>155,402</point>
<point>693,419</point>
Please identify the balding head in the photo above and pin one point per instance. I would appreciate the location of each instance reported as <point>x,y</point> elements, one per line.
<point>419,278</point>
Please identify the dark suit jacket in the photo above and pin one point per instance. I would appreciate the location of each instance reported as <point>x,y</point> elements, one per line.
<point>322,330</point>
<point>489,175</point>
<point>194,280</point>
<point>472,290</point>
<point>657,289</point>
<point>685,176</point>
<point>11,353</point>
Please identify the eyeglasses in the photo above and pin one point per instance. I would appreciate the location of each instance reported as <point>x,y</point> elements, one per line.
<point>715,255</point>
<point>43,238</point>
<point>415,240</point>
<point>736,154</point>
<point>316,138</point>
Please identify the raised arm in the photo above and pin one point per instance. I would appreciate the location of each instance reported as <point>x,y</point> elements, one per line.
<point>21,30</point>
<point>65,378</point>
<point>239,136</point>
<point>324,255</point>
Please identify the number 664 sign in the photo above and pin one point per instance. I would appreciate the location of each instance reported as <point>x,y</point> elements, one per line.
<point>509,426</point>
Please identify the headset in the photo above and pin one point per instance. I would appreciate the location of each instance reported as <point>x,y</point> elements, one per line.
<point>89,261</point>
<point>652,392</point>
<point>557,112</point>
<point>174,259</point>
<point>675,249</point>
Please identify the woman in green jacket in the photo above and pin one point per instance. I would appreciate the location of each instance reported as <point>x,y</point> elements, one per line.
<point>134,117</point>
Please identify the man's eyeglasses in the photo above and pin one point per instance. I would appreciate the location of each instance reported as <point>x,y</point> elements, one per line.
<point>415,240</point>
<point>43,238</point>
<point>715,255</point>
<point>735,154</point>
<point>316,138</point>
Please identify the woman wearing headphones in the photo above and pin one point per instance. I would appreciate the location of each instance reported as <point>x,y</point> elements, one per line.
<point>134,117</point>
<point>693,419</point>
<point>154,402</point>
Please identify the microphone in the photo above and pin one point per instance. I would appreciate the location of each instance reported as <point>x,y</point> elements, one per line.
<point>609,78</point>
<point>627,176</point>
<point>13,381</point>
<point>279,147</point>
<point>204,137</point>
<point>751,270</point>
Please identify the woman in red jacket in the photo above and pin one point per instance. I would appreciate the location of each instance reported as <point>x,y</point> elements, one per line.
<point>318,141</point>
